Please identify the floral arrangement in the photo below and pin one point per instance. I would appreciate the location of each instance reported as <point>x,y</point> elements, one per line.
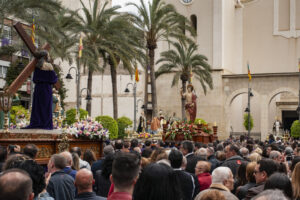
<point>88,128</point>
<point>181,127</point>
<point>20,124</point>
<point>144,135</point>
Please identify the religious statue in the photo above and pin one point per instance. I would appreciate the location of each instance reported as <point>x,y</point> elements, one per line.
<point>44,77</point>
<point>190,104</point>
<point>142,123</point>
<point>276,126</point>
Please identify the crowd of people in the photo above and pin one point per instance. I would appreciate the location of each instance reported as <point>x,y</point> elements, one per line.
<point>154,170</point>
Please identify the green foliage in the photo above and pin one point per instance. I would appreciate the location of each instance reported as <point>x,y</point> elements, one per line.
<point>13,71</point>
<point>295,129</point>
<point>123,123</point>
<point>246,121</point>
<point>18,111</point>
<point>110,124</point>
<point>71,115</point>
<point>202,121</point>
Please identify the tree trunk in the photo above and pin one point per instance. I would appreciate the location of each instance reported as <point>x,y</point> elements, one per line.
<point>89,87</point>
<point>153,82</point>
<point>113,72</point>
<point>183,100</point>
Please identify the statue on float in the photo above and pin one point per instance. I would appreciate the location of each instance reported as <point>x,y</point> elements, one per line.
<point>190,103</point>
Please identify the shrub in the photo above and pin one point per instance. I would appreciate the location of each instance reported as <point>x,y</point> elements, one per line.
<point>246,121</point>
<point>18,111</point>
<point>123,123</point>
<point>71,115</point>
<point>295,129</point>
<point>110,124</point>
<point>202,121</point>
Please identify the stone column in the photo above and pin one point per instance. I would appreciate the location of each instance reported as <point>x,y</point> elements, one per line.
<point>264,121</point>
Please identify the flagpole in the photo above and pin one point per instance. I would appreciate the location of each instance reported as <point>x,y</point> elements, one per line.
<point>249,91</point>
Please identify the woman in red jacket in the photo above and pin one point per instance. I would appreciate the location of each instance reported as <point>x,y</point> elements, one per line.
<point>202,172</point>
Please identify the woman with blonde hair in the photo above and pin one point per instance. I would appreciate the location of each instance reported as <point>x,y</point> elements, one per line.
<point>296,181</point>
<point>242,190</point>
<point>254,157</point>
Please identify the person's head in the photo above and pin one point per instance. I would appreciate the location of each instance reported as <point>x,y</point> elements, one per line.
<point>254,157</point>
<point>202,152</point>
<point>159,182</point>
<point>89,156</point>
<point>241,173</point>
<point>202,167</point>
<point>270,195</point>
<point>175,158</point>
<point>119,145</point>
<point>14,161</point>
<point>75,162</point>
<point>76,150</point>
<point>146,153</point>
<point>220,155</point>
<point>68,156</point>
<point>156,153</point>
<point>148,143</point>
<point>244,152</point>
<point>57,162</point>
<point>15,184</point>
<point>296,180</point>
<point>250,172</point>
<point>30,150</point>
<point>223,175</point>
<point>187,147</point>
<point>211,195</point>
<point>297,151</point>
<point>107,165</point>
<point>257,150</point>
<point>84,181</point>
<point>210,151</point>
<point>190,87</point>
<point>264,169</point>
<point>276,156</point>
<point>231,150</point>
<point>134,143</point>
<point>294,162</point>
<point>125,171</point>
<point>108,150</point>
<point>280,181</point>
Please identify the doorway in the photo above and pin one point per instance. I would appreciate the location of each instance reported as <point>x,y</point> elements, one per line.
<point>288,117</point>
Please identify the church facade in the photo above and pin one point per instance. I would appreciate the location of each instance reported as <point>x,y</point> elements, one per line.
<point>230,33</point>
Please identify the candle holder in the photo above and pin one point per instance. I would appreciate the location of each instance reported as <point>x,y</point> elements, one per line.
<point>215,130</point>
<point>5,103</point>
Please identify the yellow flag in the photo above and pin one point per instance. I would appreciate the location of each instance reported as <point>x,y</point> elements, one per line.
<point>137,74</point>
<point>33,31</point>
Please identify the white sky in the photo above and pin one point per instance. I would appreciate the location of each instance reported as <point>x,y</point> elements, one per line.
<point>124,8</point>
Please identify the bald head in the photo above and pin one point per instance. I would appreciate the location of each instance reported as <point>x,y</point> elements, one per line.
<point>84,180</point>
<point>15,184</point>
<point>68,156</point>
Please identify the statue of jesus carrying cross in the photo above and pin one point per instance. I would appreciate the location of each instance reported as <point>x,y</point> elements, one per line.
<point>44,77</point>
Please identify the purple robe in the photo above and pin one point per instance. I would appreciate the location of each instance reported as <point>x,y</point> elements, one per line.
<point>41,114</point>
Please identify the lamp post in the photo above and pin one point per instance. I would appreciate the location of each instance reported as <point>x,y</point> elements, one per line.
<point>298,108</point>
<point>134,102</point>
<point>69,78</point>
<point>88,95</point>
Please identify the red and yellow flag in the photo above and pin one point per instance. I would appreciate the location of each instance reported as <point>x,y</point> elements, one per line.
<point>137,79</point>
<point>80,47</point>
<point>33,31</point>
<point>249,74</point>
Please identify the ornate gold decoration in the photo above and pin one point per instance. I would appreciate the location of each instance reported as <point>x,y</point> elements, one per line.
<point>64,144</point>
<point>44,152</point>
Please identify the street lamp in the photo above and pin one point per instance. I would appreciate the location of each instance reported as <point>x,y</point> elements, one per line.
<point>88,95</point>
<point>134,102</point>
<point>69,78</point>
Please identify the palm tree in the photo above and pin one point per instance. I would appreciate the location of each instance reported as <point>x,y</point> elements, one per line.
<point>183,60</point>
<point>158,21</point>
<point>96,26</point>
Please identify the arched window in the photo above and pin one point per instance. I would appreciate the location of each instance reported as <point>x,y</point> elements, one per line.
<point>194,21</point>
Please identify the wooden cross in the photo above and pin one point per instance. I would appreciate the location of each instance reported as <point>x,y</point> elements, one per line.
<point>18,82</point>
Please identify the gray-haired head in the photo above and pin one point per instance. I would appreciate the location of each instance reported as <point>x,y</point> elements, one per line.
<point>108,150</point>
<point>270,195</point>
<point>244,151</point>
<point>220,174</point>
<point>274,155</point>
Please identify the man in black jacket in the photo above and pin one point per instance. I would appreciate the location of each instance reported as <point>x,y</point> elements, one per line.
<point>212,159</point>
<point>61,185</point>
<point>188,182</point>
<point>84,184</point>
<point>233,160</point>
<point>187,149</point>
